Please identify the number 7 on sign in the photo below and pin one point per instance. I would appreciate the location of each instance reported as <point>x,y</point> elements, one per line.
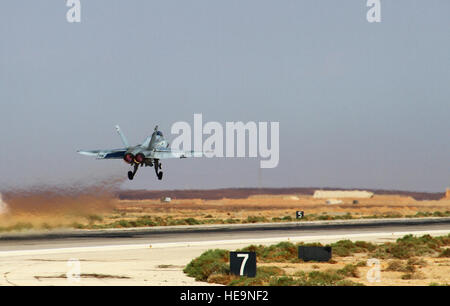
<point>244,261</point>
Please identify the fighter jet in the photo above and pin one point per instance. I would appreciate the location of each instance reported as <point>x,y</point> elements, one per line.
<point>149,153</point>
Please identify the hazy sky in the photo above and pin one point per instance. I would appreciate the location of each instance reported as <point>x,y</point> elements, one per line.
<point>359,104</point>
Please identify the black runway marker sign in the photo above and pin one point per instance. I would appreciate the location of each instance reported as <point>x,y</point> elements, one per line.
<point>299,214</point>
<point>312,253</point>
<point>243,263</point>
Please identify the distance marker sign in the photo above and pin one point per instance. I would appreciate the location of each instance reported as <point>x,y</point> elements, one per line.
<point>299,214</point>
<point>308,253</point>
<point>243,263</point>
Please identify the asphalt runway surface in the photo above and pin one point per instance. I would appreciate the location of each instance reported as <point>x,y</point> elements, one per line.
<point>70,239</point>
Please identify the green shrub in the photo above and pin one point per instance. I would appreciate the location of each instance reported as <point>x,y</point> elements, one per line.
<point>94,218</point>
<point>396,266</point>
<point>318,278</point>
<point>445,253</point>
<point>346,282</point>
<point>145,222</point>
<point>231,221</point>
<point>282,281</point>
<point>264,276</point>
<point>281,252</point>
<point>409,246</point>
<point>20,226</point>
<point>210,262</point>
<point>417,262</point>
<point>347,247</point>
<point>349,271</point>
<point>287,218</point>
<point>46,226</point>
<point>407,276</point>
<point>191,221</point>
<point>256,219</point>
<point>399,266</point>
<point>77,225</point>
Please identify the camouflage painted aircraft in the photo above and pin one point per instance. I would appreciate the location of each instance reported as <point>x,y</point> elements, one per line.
<point>149,153</point>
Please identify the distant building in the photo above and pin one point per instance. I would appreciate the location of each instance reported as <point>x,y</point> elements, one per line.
<point>334,201</point>
<point>293,198</point>
<point>334,194</point>
<point>166,199</point>
<point>447,193</point>
<point>3,206</point>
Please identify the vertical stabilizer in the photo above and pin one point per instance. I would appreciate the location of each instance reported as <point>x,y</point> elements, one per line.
<point>122,136</point>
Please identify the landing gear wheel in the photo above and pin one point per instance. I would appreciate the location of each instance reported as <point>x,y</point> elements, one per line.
<point>160,175</point>
<point>132,173</point>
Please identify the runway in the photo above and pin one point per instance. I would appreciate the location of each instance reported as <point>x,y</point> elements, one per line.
<point>157,256</point>
<point>170,234</point>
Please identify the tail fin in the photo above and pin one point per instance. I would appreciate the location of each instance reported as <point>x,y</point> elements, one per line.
<point>151,139</point>
<point>122,136</point>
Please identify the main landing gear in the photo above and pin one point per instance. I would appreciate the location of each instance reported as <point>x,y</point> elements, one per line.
<point>159,174</point>
<point>132,173</point>
<point>155,163</point>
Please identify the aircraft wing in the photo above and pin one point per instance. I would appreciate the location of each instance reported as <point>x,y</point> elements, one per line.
<point>105,154</point>
<point>169,153</point>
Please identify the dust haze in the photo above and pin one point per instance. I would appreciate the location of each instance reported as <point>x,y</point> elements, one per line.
<point>48,207</point>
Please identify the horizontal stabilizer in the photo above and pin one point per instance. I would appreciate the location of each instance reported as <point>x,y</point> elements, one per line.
<point>105,154</point>
<point>88,153</point>
<point>169,153</point>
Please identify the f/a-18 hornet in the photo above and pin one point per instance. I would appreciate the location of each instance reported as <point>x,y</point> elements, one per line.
<point>149,153</point>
